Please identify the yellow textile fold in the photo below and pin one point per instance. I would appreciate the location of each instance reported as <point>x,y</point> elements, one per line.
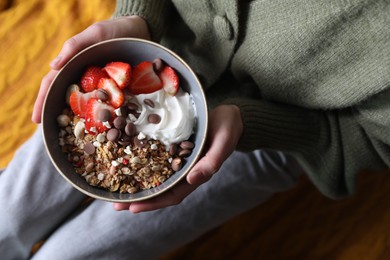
<point>31,35</point>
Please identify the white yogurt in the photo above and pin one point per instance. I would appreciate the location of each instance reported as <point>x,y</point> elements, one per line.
<point>176,112</point>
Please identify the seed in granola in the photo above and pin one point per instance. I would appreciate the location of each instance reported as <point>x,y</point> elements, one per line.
<point>112,170</point>
<point>156,168</point>
<point>114,186</point>
<point>185,153</point>
<point>132,190</point>
<point>113,134</point>
<point>176,164</point>
<point>135,160</point>
<point>132,106</point>
<point>90,166</point>
<point>139,143</point>
<point>79,129</point>
<point>101,138</point>
<point>89,148</point>
<point>187,145</point>
<point>126,170</point>
<point>63,120</point>
<point>149,102</point>
<point>154,119</point>
<point>130,129</point>
<point>173,149</point>
<point>104,115</point>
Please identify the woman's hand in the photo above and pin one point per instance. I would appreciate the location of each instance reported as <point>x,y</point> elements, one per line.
<point>132,26</point>
<point>225,130</point>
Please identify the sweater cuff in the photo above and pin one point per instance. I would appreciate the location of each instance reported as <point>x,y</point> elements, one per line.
<point>155,13</point>
<point>276,126</point>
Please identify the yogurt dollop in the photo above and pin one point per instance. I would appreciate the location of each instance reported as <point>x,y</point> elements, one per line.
<point>176,112</point>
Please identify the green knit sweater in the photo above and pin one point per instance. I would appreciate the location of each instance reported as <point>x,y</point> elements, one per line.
<point>311,77</point>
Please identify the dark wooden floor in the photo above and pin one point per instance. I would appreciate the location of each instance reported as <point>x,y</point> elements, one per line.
<point>303,224</point>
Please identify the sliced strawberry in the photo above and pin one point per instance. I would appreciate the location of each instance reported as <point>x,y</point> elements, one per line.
<point>90,78</point>
<point>144,79</point>
<point>78,102</point>
<point>98,116</point>
<point>115,94</point>
<point>120,72</point>
<point>170,80</point>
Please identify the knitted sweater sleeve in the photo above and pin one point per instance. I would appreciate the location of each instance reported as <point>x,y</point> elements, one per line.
<point>156,13</point>
<point>332,146</point>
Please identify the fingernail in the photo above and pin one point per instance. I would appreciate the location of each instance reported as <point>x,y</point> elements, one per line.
<point>55,62</point>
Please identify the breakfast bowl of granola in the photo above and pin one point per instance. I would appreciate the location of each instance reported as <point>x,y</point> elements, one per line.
<point>125,120</point>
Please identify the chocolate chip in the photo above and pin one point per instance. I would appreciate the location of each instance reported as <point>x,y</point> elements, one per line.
<point>113,134</point>
<point>125,139</point>
<point>158,65</point>
<point>185,153</point>
<point>132,106</point>
<point>123,111</point>
<point>149,102</point>
<point>173,148</point>
<point>104,115</point>
<point>187,145</point>
<point>176,164</point>
<point>154,119</point>
<point>139,143</point>
<point>119,122</point>
<point>89,148</point>
<point>102,94</point>
<point>130,129</point>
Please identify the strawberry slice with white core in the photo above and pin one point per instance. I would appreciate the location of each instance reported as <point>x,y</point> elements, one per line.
<point>170,80</point>
<point>78,102</point>
<point>120,72</point>
<point>115,94</point>
<point>99,116</point>
<point>144,79</point>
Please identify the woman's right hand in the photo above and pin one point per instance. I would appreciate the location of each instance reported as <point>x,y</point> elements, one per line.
<point>131,26</point>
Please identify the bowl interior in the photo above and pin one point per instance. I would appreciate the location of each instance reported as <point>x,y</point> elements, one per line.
<point>132,51</point>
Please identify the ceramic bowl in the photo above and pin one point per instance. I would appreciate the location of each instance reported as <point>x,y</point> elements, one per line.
<point>132,51</point>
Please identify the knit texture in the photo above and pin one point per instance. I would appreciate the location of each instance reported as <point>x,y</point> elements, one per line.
<point>156,13</point>
<point>318,68</point>
<point>32,33</point>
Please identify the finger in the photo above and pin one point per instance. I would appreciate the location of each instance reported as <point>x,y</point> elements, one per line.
<point>93,34</point>
<point>121,206</point>
<point>219,149</point>
<point>45,84</point>
<point>169,198</point>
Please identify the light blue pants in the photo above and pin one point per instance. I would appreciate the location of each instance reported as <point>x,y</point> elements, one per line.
<point>37,203</point>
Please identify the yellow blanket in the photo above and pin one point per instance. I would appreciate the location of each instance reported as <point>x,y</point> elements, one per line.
<point>31,35</point>
<point>299,223</point>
